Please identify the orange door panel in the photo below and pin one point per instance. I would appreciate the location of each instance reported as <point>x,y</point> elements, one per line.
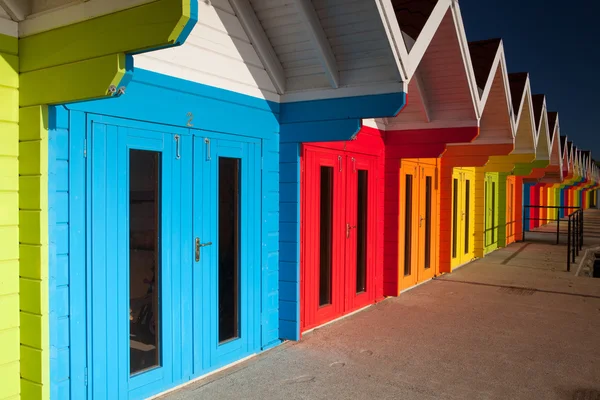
<point>418,223</point>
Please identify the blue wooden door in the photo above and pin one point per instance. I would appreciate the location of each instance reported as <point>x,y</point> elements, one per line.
<point>133,232</point>
<point>227,271</point>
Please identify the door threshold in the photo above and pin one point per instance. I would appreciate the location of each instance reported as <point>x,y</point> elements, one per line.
<point>339,318</point>
<point>201,377</point>
<point>414,286</point>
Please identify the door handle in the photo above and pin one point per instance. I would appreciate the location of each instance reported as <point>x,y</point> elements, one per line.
<point>198,246</point>
<point>421,221</point>
<point>348,227</point>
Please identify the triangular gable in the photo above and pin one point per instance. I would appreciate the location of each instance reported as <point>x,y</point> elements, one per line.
<point>489,65</point>
<point>570,157</point>
<point>435,41</point>
<point>524,119</point>
<point>556,149</point>
<point>543,140</point>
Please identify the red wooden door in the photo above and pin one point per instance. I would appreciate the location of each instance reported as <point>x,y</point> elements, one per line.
<point>361,193</point>
<point>338,234</point>
<point>322,237</point>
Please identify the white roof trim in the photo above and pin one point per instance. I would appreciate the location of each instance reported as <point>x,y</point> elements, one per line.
<point>309,16</point>
<point>464,47</point>
<point>17,9</point>
<point>9,28</point>
<point>262,45</point>
<point>394,34</point>
<point>426,36</point>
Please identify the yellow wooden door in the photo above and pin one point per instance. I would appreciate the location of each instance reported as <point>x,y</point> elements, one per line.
<point>463,221</point>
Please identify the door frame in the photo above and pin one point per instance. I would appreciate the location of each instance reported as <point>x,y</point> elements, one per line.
<point>420,169</point>
<point>341,161</point>
<point>209,354</point>
<point>466,221</point>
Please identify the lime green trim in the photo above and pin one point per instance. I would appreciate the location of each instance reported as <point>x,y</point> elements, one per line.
<point>71,82</point>
<point>9,219</point>
<point>81,61</point>
<point>145,27</point>
<point>9,45</point>
<point>33,236</point>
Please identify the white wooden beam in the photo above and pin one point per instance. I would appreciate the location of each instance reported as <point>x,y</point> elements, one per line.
<point>319,39</point>
<point>423,95</point>
<point>260,41</point>
<point>17,9</point>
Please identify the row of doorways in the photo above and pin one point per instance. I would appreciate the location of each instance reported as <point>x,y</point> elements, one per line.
<point>341,233</point>
<point>173,243</point>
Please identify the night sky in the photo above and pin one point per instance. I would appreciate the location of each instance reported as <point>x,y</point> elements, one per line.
<point>557,43</point>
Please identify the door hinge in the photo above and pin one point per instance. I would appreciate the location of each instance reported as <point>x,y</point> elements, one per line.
<point>84,148</point>
<point>85,376</point>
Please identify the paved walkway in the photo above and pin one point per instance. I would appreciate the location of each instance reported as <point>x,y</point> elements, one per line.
<point>514,325</point>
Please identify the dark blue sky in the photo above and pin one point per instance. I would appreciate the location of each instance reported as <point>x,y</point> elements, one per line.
<point>557,42</point>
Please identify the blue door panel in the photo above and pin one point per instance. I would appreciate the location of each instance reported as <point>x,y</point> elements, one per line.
<point>209,354</point>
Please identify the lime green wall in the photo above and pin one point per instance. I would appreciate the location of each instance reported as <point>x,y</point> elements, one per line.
<point>480,211</point>
<point>78,62</point>
<point>9,218</point>
<point>33,203</point>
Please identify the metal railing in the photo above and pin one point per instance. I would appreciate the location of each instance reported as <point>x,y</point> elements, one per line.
<point>574,232</point>
<point>575,239</point>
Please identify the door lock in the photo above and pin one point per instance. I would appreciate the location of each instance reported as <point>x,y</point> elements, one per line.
<point>198,245</point>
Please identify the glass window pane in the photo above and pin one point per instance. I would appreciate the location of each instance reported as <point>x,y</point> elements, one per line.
<point>493,216</point>
<point>326,223</point>
<point>467,213</point>
<point>408,225</point>
<point>428,190</point>
<point>144,260</point>
<point>229,247</point>
<point>454,217</point>
<point>361,232</point>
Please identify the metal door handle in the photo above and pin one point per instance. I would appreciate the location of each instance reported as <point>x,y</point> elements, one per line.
<point>198,246</point>
<point>348,227</point>
<point>421,221</point>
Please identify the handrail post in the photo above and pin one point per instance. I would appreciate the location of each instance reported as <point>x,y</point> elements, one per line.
<point>576,233</point>
<point>581,242</point>
<point>574,242</point>
<point>569,247</point>
<point>557,229</point>
<point>524,219</point>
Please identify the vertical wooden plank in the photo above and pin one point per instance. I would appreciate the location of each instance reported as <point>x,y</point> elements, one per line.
<point>77,261</point>
<point>98,270</point>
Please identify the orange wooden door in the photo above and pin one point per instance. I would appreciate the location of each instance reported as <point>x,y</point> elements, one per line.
<point>418,223</point>
<point>409,224</point>
<point>428,222</point>
<point>510,210</point>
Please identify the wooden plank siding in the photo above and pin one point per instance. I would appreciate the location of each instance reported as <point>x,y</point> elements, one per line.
<point>9,219</point>
<point>217,53</point>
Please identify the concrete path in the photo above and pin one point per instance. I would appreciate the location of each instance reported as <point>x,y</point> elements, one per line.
<point>513,325</point>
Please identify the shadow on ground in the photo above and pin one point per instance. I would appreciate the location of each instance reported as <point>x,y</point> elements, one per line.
<point>513,325</point>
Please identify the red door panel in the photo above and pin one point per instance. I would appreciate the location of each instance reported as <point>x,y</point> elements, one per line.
<point>361,225</point>
<point>339,193</point>
<point>322,288</point>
